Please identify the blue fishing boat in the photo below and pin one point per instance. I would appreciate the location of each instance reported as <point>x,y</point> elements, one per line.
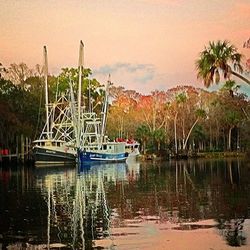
<point>91,142</point>
<point>107,152</point>
<point>94,145</point>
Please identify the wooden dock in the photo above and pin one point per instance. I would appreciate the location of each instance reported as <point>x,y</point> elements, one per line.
<point>22,152</point>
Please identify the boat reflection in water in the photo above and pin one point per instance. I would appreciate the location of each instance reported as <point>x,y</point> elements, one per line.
<point>127,205</point>
<point>78,211</point>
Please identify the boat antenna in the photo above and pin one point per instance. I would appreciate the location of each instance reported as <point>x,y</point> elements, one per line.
<point>80,67</point>
<point>46,90</point>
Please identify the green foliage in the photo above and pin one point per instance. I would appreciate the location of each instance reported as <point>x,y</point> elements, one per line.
<point>232,117</point>
<point>201,113</point>
<point>198,133</point>
<point>91,88</point>
<point>159,136</point>
<point>19,111</point>
<point>198,116</point>
<point>181,97</point>
<point>245,139</point>
<point>218,57</point>
<point>143,132</point>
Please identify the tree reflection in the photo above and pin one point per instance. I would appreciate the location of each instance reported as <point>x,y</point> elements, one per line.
<point>184,192</point>
<point>77,208</point>
<point>232,231</point>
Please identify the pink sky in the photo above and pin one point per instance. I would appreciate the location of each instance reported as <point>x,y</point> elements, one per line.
<point>144,44</point>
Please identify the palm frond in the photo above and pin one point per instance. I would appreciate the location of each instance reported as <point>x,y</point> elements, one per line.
<point>217,58</point>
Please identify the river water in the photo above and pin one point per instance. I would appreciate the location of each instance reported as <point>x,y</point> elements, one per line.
<point>195,204</point>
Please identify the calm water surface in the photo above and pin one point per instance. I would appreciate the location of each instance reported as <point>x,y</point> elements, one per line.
<point>203,204</point>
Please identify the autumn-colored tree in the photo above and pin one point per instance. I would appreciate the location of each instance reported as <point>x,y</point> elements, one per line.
<point>123,115</point>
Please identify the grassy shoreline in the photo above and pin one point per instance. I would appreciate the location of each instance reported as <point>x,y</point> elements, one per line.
<point>225,154</point>
<point>205,155</point>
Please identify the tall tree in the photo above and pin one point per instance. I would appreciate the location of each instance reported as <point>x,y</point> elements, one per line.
<point>159,136</point>
<point>19,73</point>
<point>219,58</point>
<point>232,118</point>
<point>144,133</point>
<point>200,113</point>
<point>180,99</point>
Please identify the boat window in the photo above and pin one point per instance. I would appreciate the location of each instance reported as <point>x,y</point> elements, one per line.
<point>58,144</point>
<point>42,143</point>
<point>104,146</point>
<point>53,144</point>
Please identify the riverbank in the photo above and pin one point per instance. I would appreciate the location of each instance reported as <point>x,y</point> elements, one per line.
<point>206,155</point>
<point>227,154</point>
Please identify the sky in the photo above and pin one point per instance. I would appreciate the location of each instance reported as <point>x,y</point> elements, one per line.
<point>144,44</point>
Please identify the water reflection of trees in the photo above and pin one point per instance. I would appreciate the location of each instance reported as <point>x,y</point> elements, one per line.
<point>232,231</point>
<point>75,208</point>
<point>186,191</point>
<point>21,207</point>
<point>53,207</point>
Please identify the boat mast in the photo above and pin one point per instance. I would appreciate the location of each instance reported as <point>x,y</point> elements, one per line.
<point>105,109</point>
<point>73,112</point>
<point>80,66</point>
<point>90,104</point>
<point>46,90</point>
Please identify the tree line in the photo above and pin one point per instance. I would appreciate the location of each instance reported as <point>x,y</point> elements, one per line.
<point>183,118</point>
<point>179,120</point>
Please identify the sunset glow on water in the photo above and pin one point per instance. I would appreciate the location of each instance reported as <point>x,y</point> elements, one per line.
<point>171,205</point>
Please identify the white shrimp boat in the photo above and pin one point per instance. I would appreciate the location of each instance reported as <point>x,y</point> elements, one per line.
<point>56,144</point>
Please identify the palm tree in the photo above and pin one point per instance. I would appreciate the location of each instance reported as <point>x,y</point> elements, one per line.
<point>230,87</point>
<point>143,132</point>
<point>159,135</point>
<point>219,58</point>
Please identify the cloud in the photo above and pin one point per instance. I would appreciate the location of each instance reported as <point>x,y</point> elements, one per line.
<point>145,78</point>
<point>119,66</point>
<point>137,72</point>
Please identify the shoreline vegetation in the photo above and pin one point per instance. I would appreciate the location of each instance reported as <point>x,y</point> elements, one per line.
<point>154,157</point>
<point>169,123</point>
<point>198,155</point>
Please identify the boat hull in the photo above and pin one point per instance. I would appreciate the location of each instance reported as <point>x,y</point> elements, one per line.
<point>52,156</point>
<point>85,156</point>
